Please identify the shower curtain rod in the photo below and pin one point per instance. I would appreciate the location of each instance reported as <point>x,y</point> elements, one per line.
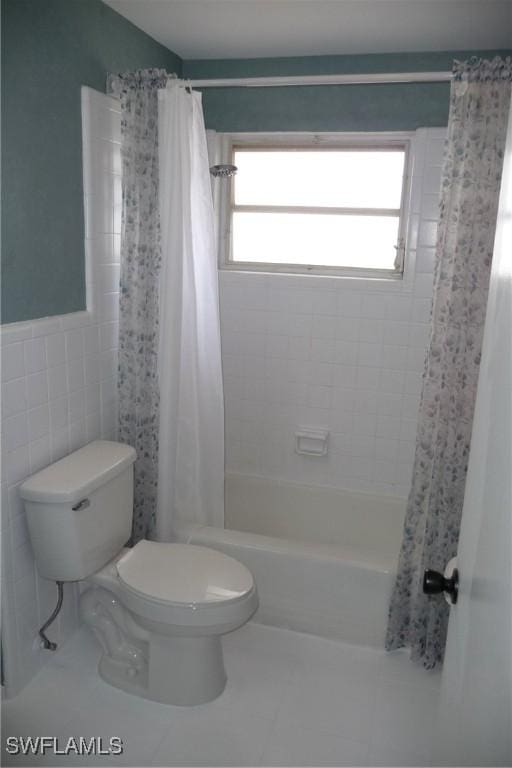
<point>355,79</point>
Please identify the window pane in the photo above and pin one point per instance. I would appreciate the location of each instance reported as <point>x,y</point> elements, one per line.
<point>330,240</point>
<point>334,178</point>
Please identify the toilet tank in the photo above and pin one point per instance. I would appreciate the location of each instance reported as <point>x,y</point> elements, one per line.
<point>79,510</point>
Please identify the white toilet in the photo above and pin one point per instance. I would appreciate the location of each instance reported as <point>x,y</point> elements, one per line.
<point>158,609</point>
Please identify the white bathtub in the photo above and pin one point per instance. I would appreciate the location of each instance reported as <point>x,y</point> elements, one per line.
<point>323,559</point>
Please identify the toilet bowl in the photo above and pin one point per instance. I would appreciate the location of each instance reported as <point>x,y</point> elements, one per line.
<point>158,609</point>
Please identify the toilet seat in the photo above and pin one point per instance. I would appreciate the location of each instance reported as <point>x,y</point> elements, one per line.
<point>183,574</point>
<point>184,585</point>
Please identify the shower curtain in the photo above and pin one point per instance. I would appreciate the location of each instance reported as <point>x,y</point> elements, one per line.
<point>191,463</point>
<point>479,105</point>
<point>138,393</point>
<point>170,378</point>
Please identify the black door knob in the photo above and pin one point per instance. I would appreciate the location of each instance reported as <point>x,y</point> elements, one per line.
<point>434,583</point>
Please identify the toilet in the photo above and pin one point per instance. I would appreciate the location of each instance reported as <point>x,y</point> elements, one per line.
<point>158,609</point>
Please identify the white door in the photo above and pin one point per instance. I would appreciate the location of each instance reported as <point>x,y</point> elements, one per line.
<point>475,726</point>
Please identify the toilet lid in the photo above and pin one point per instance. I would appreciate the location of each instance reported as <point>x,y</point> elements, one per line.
<point>183,573</point>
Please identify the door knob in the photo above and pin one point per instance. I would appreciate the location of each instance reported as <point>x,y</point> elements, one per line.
<point>434,583</point>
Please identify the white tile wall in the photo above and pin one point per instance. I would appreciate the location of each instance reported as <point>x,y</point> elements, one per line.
<point>337,353</point>
<point>58,393</point>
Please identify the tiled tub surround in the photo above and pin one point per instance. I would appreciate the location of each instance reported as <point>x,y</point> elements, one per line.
<point>345,354</point>
<point>357,526</point>
<point>59,391</point>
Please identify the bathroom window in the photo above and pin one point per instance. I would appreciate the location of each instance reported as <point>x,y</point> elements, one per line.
<point>323,205</point>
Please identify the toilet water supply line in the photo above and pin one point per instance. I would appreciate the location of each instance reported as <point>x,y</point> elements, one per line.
<point>49,645</point>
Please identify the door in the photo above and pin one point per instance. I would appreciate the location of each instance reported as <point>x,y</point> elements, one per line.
<point>475,723</point>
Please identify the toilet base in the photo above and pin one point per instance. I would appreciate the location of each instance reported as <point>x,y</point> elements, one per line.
<point>179,670</point>
<point>183,671</point>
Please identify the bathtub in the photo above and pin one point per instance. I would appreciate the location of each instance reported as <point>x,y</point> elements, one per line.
<point>323,559</point>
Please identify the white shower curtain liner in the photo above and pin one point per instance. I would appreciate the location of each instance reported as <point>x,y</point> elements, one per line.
<point>191,450</point>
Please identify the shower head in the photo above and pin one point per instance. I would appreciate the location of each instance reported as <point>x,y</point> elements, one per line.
<point>223,171</point>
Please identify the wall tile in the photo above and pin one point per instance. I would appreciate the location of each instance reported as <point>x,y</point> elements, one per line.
<point>349,304</point>
<point>374,306</point>
<point>348,329</point>
<point>14,502</point>
<point>412,383</point>
<point>15,432</point>
<point>399,308</point>
<point>322,350</point>
<point>92,369</point>
<point>425,259</point>
<point>319,396</point>
<point>59,440</point>
<point>432,179</point>
<point>323,327</point>
<point>74,345</point>
<point>108,340</point>
<point>14,397</point>
<point>386,449</point>
<point>389,404</point>
<point>55,349</point>
<point>13,361</point>
<point>93,426</point>
<point>396,332</point>
<point>92,395</point>
<point>347,356</point>
<point>77,434</point>
<point>40,451</point>
<point>391,380</point>
<point>39,422</point>
<point>427,234</point>
<point>59,415</point>
<point>16,464</point>
<point>366,423</point>
<point>371,330</point>
<point>410,406</point>
<point>76,376</point>
<point>325,303</point>
<point>421,310</point>
<point>35,355</point>
<point>369,354</point>
<point>367,378</point>
<point>365,401</point>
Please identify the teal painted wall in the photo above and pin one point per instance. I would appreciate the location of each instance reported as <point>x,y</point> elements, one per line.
<point>331,108</point>
<point>49,49</point>
<point>52,47</point>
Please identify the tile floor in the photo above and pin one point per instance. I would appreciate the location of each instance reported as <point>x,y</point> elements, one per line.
<point>291,699</point>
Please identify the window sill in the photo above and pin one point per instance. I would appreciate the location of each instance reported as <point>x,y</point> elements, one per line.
<point>395,283</point>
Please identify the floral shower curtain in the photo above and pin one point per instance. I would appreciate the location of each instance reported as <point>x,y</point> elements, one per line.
<point>140,268</point>
<point>171,406</point>
<point>479,105</point>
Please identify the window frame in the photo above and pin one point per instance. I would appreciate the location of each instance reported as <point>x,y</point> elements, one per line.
<point>230,143</point>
